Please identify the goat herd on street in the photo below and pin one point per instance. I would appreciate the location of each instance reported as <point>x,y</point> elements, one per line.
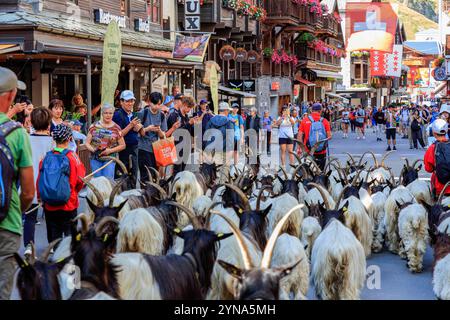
<point>253,232</point>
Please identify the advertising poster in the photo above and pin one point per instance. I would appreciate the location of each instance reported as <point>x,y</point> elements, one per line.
<point>112,59</point>
<point>190,48</point>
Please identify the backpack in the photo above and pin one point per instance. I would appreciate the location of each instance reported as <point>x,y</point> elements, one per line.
<point>317,133</point>
<point>54,184</point>
<point>415,125</point>
<point>7,174</point>
<point>442,160</point>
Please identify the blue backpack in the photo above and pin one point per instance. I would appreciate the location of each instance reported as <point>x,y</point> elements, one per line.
<point>7,174</point>
<point>54,184</point>
<point>317,133</point>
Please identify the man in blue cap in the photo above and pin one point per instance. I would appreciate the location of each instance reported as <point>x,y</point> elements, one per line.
<point>130,126</point>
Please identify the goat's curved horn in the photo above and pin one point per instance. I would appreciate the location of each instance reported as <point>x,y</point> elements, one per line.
<point>31,259</point>
<point>241,194</point>
<point>159,188</point>
<point>46,253</point>
<point>316,145</point>
<point>115,191</point>
<point>296,156</point>
<point>248,264</point>
<point>441,195</point>
<point>119,163</point>
<point>208,213</point>
<point>351,157</point>
<point>385,157</point>
<point>393,177</point>
<point>97,193</point>
<point>304,172</point>
<point>416,162</point>
<point>301,144</point>
<point>315,164</point>
<point>102,223</point>
<point>150,176</point>
<point>344,180</point>
<point>268,251</point>
<point>322,193</point>
<point>84,222</point>
<point>191,215</point>
<point>367,175</point>
<point>407,162</point>
<point>355,178</point>
<point>340,197</point>
<point>284,172</point>
<point>258,200</point>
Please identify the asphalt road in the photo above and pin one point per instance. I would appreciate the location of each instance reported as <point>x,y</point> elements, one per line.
<point>395,280</point>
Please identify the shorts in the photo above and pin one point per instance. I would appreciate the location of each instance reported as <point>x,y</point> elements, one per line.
<point>236,145</point>
<point>285,141</point>
<point>390,133</point>
<point>359,124</point>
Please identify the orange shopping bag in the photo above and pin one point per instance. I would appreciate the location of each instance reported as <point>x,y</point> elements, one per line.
<point>165,151</point>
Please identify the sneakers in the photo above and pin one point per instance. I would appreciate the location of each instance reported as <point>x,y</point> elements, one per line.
<point>389,148</point>
<point>364,137</point>
<point>357,138</point>
<point>28,250</point>
<point>394,148</point>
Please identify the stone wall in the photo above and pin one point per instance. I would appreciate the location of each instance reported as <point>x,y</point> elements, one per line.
<point>264,94</point>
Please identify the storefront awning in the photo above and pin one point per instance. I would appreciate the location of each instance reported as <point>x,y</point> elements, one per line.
<point>327,74</point>
<point>441,87</point>
<point>333,95</point>
<point>305,82</point>
<point>230,92</point>
<point>9,48</point>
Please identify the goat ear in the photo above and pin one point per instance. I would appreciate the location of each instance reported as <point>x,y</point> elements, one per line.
<point>419,168</point>
<point>21,262</point>
<point>266,211</point>
<point>234,271</point>
<point>173,197</point>
<point>280,179</point>
<point>328,174</point>
<point>91,205</point>
<point>223,236</point>
<point>178,232</point>
<point>169,180</point>
<point>238,209</point>
<point>344,207</point>
<point>306,246</point>
<point>120,207</point>
<point>284,271</point>
<point>398,203</point>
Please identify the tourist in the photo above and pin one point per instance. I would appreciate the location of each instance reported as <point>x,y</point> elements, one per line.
<point>285,135</point>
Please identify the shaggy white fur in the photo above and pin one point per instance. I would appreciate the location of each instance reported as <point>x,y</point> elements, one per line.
<point>310,231</point>
<point>421,190</point>
<point>377,218</point>
<point>441,278</point>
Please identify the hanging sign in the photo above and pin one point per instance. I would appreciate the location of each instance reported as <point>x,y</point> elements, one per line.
<point>192,15</point>
<point>440,74</point>
<point>241,55</point>
<point>214,86</point>
<point>253,57</point>
<point>227,53</point>
<point>104,17</point>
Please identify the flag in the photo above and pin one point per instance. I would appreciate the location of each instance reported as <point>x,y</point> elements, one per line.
<point>190,48</point>
<point>378,63</point>
<point>112,59</point>
<point>394,62</point>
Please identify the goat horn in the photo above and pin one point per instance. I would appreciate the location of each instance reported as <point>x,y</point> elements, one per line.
<point>102,223</point>
<point>150,176</point>
<point>31,259</point>
<point>119,163</point>
<point>97,193</point>
<point>241,194</point>
<point>159,188</point>
<point>356,177</point>
<point>258,200</point>
<point>284,172</point>
<point>322,193</point>
<point>316,145</point>
<point>248,264</point>
<point>416,162</point>
<point>304,172</point>
<point>191,215</point>
<point>301,144</point>
<point>84,222</point>
<point>393,176</point>
<point>340,197</point>
<point>46,253</point>
<point>208,213</point>
<point>314,163</point>
<point>367,175</point>
<point>115,191</point>
<point>385,157</point>
<point>407,162</point>
<point>441,195</point>
<point>344,180</point>
<point>351,157</point>
<point>296,156</point>
<point>268,251</point>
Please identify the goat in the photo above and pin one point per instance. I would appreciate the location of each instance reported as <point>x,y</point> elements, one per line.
<point>171,277</point>
<point>409,173</point>
<point>436,215</point>
<point>310,231</point>
<point>399,195</point>
<point>263,282</point>
<point>441,266</point>
<point>421,190</point>
<point>38,279</point>
<point>338,263</point>
<point>187,190</point>
<point>379,199</point>
<point>413,231</point>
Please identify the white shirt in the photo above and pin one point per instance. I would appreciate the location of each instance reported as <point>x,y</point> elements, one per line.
<point>40,145</point>
<point>285,130</point>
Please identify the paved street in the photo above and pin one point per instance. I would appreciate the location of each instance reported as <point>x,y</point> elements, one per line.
<point>396,281</point>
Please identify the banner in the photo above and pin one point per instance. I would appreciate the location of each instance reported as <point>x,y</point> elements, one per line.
<point>413,76</point>
<point>190,48</point>
<point>214,85</point>
<point>386,64</point>
<point>424,74</point>
<point>394,62</point>
<point>378,63</point>
<point>112,59</point>
<point>370,26</point>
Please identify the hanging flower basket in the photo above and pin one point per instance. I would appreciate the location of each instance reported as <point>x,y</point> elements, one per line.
<point>267,52</point>
<point>276,57</point>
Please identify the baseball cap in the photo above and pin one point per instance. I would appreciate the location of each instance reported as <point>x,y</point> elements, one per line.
<point>316,107</point>
<point>235,105</point>
<point>76,123</point>
<point>178,97</point>
<point>9,81</point>
<point>62,133</point>
<point>127,95</point>
<point>224,106</point>
<point>203,101</point>
<point>444,108</point>
<point>439,126</point>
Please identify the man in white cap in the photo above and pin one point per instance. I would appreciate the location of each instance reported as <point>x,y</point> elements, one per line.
<point>16,161</point>
<point>437,158</point>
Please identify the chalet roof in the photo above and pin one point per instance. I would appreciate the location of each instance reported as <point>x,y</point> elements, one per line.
<point>425,47</point>
<point>62,25</point>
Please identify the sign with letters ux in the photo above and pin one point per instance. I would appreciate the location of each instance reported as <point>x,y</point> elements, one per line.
<point>192,15</point>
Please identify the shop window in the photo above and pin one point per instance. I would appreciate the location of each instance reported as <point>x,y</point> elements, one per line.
<point>75,2</point>
<point>154,11</point>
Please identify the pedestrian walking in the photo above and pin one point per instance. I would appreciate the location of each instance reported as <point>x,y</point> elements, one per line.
<point>352,120</point>
<point>297,121</point>
<point>285,135</point>
<point>416,130</point>
<point>391,128</point>
<point>104,139</point>
<point>130,125</point>
<point>16,162</point>
<point>56,106</point>
<point>267,127</point>
<point>380,122</point>
<point>253,122</point>
<point>58,189</point>
<point>238,123</point>
<point>360,119</point>
<point>405,121</point>
<point>345,122</point>
<point>314,129</point>
<point>41,143</point>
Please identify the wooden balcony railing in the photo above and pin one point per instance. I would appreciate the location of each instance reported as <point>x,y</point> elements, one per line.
<point>288,12</point>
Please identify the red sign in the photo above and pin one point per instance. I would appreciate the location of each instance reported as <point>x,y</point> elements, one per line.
<point>275,86</point>
<point>378,63</point>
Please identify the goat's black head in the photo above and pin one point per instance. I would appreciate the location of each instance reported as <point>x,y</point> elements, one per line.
<point>209,172</point>
<point>38,279</point>
<point>258,283</point>
<point>92,248</point>
<point>410,173</point>
<point>234,197</point>
<point>327,213</point>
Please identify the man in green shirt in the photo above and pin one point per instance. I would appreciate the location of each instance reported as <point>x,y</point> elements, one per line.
<point>19,143</point>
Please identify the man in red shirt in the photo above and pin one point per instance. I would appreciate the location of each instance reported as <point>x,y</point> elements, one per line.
<point>303,133</point>
<point>58,218</point>
<point>440,129</point>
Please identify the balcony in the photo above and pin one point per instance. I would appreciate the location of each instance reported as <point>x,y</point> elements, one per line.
<point>209,11</point>
<point>327,27</point>
<point>288,13</point>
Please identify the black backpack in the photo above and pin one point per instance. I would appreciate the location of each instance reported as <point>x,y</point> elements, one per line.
<point>442,159</point>
<point>7,174</point>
